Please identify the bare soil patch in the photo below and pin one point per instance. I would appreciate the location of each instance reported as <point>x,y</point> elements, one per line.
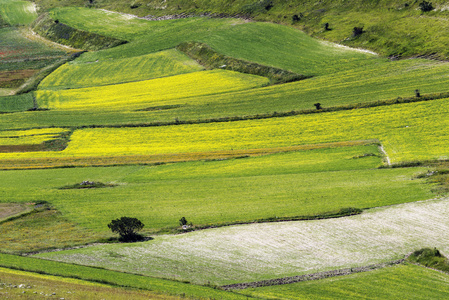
<point>11,209</point>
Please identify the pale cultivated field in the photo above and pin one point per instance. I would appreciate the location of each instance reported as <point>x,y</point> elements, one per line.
<point>272,250</point>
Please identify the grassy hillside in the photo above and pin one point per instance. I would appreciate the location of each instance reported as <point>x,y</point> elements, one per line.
<point>209,137</point>
<point>220,192</point>
<point>392,27</point>
<point>17,12</point>
<point>161,64</point>
<point>13,286</point>
<point>254,252</point>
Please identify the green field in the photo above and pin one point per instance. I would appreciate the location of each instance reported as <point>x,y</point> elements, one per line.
<point>114,278</point>
<point>255,252</point>
<point>264,43</point>
<point>398,282</point>
<point>273,185</point>
<point>20,284</point>
<point>16,103</point>
<point>288,184</point>
<point>17,12</point>
<point>160,64</point>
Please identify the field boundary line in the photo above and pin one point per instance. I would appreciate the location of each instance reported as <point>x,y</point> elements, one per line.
<point>313,276</point>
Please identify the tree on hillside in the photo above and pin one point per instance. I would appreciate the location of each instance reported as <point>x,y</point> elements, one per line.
<point>127,228</point>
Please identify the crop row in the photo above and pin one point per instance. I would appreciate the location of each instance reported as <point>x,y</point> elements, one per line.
<point>29,137</point>
<point>409,132</point>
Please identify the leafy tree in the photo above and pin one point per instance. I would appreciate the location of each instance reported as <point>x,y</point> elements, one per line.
<point>127,227</point>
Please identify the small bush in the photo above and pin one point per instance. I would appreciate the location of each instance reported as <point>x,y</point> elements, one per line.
<point>183,221</point>
<point>357,31</point>
<point>425,6</point>
<point>431,258</point>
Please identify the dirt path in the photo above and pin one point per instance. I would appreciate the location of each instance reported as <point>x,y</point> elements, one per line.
<point>381,147</point>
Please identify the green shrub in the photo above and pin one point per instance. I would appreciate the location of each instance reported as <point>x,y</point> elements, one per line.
<point>431,258</point>
<point>425,6</point>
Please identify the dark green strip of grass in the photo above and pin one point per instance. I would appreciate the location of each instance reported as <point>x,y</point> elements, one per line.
<point>16,103</point>
<point>58,32</point>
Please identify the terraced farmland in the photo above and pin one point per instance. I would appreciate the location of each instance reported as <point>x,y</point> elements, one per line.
<point>150,93</point>
<point>79,75</point>
<point>256,252</point>
<point>287,185</point>
<point>354,150</point>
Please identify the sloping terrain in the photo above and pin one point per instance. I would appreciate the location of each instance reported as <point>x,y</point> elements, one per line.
<point>179,120</point>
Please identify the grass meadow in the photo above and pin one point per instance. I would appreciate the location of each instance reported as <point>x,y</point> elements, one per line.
<point>19,284</point>
<point>17,12</point>
<point>78,75</point>
<point>291,184</point>
<point>155,285</point>
<point>401,281</point>
<point>254,252</point>
<point>14,46</point>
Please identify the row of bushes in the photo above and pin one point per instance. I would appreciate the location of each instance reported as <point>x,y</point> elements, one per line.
<point>211,59</point>
<point>58,32</point>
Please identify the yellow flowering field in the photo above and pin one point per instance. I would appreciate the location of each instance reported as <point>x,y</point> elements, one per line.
<point>143,94</point>
<point>408,132</point>
<point>29,137</point>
